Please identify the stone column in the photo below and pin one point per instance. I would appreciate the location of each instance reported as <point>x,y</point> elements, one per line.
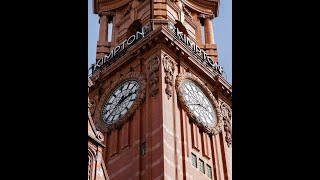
<point>103,34</point>
<point>198,29</point>
<point>208,27</point>
<point>103,45</point>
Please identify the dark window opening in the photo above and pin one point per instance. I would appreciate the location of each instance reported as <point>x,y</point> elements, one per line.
<point>143,149</point>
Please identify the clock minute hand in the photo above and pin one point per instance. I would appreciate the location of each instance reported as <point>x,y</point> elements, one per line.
<point>194,104</point>
<point>120,101</point>
<point>123,98</point>
<point>115,107</point>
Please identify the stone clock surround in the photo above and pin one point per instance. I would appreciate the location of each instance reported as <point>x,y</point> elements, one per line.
<point>211,129</point>
<point>141,79</point>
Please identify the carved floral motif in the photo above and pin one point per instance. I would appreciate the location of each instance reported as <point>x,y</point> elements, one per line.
<point>227,115</point>
<point>98,118</point>
<point>169,67</point>
<point>209,128</point>
<point>152,69</point>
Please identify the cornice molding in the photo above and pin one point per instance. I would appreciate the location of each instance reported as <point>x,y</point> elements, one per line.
<point>107,5</point>
<point>205,7</point>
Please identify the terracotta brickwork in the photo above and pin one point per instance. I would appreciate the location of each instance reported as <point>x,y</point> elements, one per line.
<point>159,137</point>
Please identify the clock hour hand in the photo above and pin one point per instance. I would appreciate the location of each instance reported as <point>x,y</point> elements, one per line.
<point>198,104</point>
<point>194,104</point>
<point>121,100</point>
<point>115,107</point>
<point>125,97</point>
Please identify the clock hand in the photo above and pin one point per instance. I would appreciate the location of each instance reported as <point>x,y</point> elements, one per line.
<point>123,98</point>
<point>120,101</point>
<point>198,104</point>
<point>115,107</point>
<point>194,104</point>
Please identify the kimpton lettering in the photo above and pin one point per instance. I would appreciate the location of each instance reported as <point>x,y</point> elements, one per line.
<point>200,53</point>
<point>117,50</point>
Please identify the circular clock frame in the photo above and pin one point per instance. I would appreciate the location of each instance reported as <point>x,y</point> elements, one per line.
<point>135,76</point>
<point>209,128</point>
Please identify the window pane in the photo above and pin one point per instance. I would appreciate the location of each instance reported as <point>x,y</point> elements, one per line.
<point>143,149</point>
<point>209,174</point>
<point>201,165</point>
<point>194,160</point>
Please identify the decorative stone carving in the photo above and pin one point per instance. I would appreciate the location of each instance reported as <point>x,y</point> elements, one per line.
<point>92,107</point>
<point>147,28</point>
<point>227,115</point>
<point>126,11</point>
<point>99,136</point>
<point>98,119</point>
<point>202,16</point>
<point>152,70</point>
<point>209,128</point>
<point>107,13</point>
<point>169,67</point>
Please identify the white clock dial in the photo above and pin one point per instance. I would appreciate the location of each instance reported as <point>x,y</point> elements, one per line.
<point>198,102</point>
<point>120,101</point>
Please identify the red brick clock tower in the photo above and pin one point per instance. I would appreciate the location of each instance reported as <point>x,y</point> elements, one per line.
<point>159,96</point>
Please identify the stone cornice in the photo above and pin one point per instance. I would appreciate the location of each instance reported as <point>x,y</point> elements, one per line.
<point>201,6</point>
<point>107,13</point>
<point>107,5</point>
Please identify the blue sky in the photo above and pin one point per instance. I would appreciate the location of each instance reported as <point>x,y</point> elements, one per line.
<point>222,33</point>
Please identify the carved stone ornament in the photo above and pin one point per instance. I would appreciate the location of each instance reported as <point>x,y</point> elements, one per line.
<point>98,118</point>
<point>107,13</point>
<point>92,107</point>
<point>209,128</point>
<point>152,69</point>
<point>99,136</point>
<point>169,67</point>
<point>127,9</point>
<point>202,16</point>
<point>227,115</point>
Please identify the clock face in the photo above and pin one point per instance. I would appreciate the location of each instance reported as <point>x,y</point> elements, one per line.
<point>120,101</point>
<point>198,102</point>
